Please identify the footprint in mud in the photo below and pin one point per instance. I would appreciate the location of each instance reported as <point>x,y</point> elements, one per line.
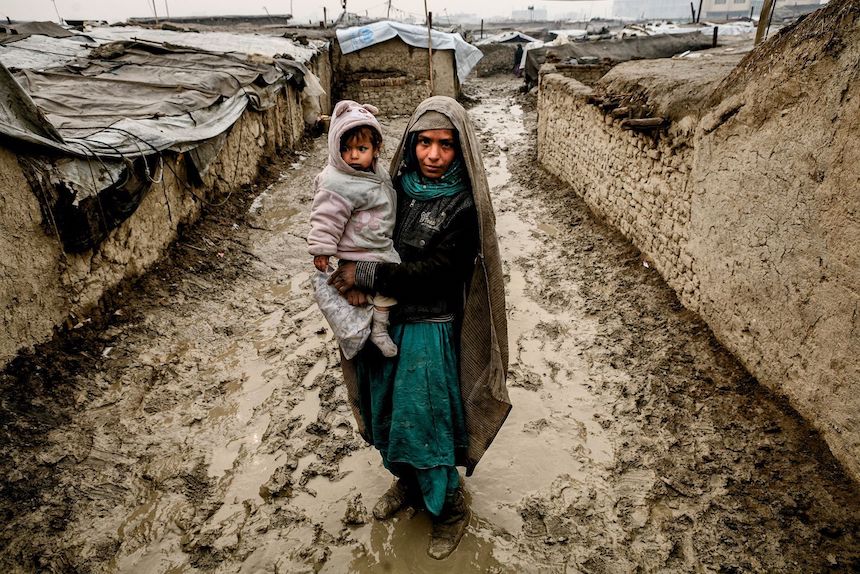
<point>554,332</point>
<point>356,512</point>
<point>535,427</point>
<point>545,520</point>
<point>523,378</point>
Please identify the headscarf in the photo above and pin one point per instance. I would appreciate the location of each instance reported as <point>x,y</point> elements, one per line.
<point>484,329</point>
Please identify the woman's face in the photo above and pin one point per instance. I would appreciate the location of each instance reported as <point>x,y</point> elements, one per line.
<point>435,150</point>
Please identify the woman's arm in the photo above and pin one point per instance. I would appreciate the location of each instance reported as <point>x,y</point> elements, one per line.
<point>443,270</point>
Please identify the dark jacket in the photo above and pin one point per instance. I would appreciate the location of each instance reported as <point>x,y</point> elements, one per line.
<point>437,241</point>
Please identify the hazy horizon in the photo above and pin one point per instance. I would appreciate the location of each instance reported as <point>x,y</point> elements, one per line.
<point>304,11</point>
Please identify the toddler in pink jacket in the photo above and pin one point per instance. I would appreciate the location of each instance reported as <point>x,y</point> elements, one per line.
<point>355,204</point>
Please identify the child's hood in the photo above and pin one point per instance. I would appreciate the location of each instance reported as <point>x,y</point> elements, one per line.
<point>348,114</point>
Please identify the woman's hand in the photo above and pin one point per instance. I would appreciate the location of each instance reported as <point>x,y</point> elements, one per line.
<point>343,279</point>
<point>356,297</point>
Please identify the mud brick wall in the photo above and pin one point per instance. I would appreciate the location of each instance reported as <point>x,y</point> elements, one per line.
<point>636,182</point>
<point>393,96</point>
<point>322,68</point>
<point>41,285</point>
<point>753,226</point>
<point>393,76</point>
<point>498,59</point>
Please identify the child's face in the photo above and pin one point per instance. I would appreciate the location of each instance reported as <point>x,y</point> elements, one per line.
<point>358,152</point>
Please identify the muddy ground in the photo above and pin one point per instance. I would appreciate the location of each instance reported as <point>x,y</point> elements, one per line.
<point>198,422</point>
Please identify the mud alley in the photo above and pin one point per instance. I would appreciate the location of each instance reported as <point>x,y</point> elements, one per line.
<point>680,308</point>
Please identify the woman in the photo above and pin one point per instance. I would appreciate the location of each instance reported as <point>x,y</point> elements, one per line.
<point>441,401</point>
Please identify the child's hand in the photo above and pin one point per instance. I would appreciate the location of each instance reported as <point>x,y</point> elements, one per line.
<point>321,262</point>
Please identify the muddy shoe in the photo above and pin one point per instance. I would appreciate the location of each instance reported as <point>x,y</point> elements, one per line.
<point>449,528</point>
<point>395,498</point>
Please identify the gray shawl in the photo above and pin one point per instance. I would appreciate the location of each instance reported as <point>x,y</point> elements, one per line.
<point>484,334</point>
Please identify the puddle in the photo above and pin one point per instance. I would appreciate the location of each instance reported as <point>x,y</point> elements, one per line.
<point>559,413</point>
<point>549,229</point>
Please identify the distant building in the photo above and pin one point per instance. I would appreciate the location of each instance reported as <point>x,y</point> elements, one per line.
<point>463,18</point>
<point>530,15</point>
<point>790,8</point>
<point>725,9</point>
<point>651,9</point>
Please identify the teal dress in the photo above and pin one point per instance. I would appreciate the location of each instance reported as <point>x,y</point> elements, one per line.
<point>412,408</point>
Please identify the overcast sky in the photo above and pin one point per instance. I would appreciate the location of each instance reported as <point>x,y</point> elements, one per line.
<point>303,10</point>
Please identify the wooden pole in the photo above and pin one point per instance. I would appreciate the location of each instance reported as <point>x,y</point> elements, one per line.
<point>693,10</point>
<point>699,13</point>
<point>325,18</point>
<point>155,11</point>
<point>763,21</point>
<point>482,27</point>
<point>429,16</point>
<point>59,18</point>
<point>716,31</point>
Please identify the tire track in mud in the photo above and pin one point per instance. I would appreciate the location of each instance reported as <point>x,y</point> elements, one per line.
<point>204,427</point>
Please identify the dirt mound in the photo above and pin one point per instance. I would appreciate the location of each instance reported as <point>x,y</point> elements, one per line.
<point>813,48</point>
<point>671,88</point>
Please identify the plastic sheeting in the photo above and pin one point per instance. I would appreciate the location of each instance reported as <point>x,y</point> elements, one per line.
<point>141,98</point>
<point>224,42</point>
<point>111,109</point>
<point>359,37</point>
<point>51,29</point>
<point>37,52</point>
<point>506,38</point>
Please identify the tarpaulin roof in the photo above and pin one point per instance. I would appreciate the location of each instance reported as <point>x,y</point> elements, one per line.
<point>570,33</point>
<point>42,28</point>
<point>136,98</point>
<point>227,42</point>
<point>111,107</point>
<point>34,50</point>
<point>359,37</point>
<point>506,37</point>
<point>23,52</point>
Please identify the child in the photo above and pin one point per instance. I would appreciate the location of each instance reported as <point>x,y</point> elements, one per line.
<point>355,204</point>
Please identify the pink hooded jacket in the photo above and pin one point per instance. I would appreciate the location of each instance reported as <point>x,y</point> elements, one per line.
<point>353,212</point>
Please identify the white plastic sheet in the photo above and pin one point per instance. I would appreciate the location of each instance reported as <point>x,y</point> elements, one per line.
<point>350,324</point>
<point>359,37</point>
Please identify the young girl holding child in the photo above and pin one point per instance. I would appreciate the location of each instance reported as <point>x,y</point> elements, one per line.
<point>354,206</point>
